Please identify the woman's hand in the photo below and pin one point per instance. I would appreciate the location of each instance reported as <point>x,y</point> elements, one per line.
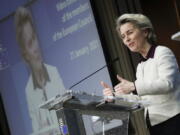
<point>107,92</point>
<point>124,87</point>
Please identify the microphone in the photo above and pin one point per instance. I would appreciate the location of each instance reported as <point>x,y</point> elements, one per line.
<point>108,64</point>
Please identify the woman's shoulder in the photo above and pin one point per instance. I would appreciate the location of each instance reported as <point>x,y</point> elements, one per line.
<point>162,50</point>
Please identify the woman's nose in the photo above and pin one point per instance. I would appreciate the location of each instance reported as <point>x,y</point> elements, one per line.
<point>127,39</point>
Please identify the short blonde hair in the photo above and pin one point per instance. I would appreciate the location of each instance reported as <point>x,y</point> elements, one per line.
<point>140,21</point>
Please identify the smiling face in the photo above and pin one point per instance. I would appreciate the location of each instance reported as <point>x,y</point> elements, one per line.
<point>133,37</point>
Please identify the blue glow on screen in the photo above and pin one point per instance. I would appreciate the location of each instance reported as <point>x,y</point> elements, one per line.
<point>70,45</point>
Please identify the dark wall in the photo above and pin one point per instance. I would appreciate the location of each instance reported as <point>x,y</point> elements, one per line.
<point>4,130</point>
<point>164,18</point>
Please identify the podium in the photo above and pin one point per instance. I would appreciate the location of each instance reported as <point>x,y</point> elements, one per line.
<point>84,114</point>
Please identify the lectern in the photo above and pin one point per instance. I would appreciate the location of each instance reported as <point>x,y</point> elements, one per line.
<point>84,114</point>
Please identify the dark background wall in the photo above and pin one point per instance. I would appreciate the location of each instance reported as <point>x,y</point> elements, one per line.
<point>165,19</point>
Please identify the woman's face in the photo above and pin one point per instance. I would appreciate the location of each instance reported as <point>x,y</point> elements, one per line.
<point>31,47</point>
<point>133,37</point>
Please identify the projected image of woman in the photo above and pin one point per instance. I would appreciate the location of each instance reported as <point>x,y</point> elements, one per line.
<point>44,81</point>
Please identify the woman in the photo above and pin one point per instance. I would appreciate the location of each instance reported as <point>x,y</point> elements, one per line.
<point>158,78</point>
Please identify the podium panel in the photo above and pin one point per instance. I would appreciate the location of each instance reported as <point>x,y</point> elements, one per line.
<point>79,122</point>
<point>83,114</point>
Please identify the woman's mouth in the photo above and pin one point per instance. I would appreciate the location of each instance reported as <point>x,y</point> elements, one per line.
<point>131,44</point>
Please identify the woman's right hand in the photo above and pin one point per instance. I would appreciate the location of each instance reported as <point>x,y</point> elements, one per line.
<point>107,92</point>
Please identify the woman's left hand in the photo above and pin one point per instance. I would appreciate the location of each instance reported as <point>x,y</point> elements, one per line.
<point>124,87</point>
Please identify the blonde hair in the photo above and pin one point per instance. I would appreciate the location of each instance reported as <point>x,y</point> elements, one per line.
<point>140,21</point>
<point>22,16</point>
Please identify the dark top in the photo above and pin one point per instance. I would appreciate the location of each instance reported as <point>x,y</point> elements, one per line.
<point>150,53</point>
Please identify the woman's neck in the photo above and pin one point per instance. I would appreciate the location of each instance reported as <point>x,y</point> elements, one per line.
<point>144,51</point>
<point>39,73</point>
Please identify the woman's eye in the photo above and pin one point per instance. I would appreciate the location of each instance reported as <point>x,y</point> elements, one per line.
<point>130,32</point>
<point>122,37</point>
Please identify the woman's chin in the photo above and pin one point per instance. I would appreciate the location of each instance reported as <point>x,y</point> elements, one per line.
<point>133,50</point>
